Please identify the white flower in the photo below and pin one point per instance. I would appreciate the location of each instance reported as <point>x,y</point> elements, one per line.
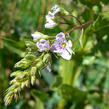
<point>55,9</point>
<point>50,24</point>
<point>36,35</point>
<point>51,16</point>
<point>62,46</point>
<point>43,45</point>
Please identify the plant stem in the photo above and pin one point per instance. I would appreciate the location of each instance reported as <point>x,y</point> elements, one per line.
<point>79,27</point>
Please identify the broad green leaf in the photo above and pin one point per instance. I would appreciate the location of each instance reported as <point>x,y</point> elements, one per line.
<point>38,94</point>
<point>72,94</point>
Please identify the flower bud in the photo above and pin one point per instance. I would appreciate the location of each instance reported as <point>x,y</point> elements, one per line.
<point>27,83</point>
<point>31,45</point>
<point>33,79</point>
<point>64,12</point>
<point>33,71</point>
<point>23,64</point>
<point>15,73</point>
<point>39,65</point>
<point>46,58</point>
<point>30,57</point>
<point>22,85</point>
<point>37,35</point>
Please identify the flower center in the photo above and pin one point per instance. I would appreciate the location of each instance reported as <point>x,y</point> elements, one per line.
<point>63,45</point>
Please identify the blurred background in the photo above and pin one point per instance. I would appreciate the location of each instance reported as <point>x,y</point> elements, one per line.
<point>89,67</point>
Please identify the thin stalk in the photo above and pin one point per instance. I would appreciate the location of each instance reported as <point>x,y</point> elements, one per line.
<point>79,27</point>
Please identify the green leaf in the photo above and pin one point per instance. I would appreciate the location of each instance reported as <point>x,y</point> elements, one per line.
<point>38,94</point>
<point>57,82</point>
<point>106,83</point>
<point>12,46</point>
<point>88,60</point>
<point>39,104</point>
<point>81,38</point>
<point>70,93</point>
<point>101,25</point>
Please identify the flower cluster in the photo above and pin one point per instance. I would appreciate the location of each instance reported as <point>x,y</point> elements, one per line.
<point>60,45</point>
<point>50,23</point>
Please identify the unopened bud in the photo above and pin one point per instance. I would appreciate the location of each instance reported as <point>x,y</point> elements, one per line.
<point>30,57</point>
<point>23,64</point>
<point>39,64</point>
<point>33,71</point>
<point>46,58</point>
<point>33,79</point>
<point>31,45</point>
<point>63,11</point>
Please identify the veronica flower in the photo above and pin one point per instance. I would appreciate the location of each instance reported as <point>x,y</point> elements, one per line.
<point>62,46</point>
<point>43,45</point>
<point>51,16</point>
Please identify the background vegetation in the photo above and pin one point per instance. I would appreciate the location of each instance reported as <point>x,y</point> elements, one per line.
<point>83,82</point>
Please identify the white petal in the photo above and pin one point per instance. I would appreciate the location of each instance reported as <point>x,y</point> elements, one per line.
<point>36,36</point>
<point>70,43</point>
<point>55,9</point>
<point>51,14</point>
<point>50,25</point>
<point>49,18</point>
<point>66,54</point>
<point>60,35</point>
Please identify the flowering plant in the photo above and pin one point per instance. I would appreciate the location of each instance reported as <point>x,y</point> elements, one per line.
<point>40,51</point>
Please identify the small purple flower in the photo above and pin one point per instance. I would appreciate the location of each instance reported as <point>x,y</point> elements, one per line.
<point>62,46</point>
<point>55,9</point>
<point>43,45</point>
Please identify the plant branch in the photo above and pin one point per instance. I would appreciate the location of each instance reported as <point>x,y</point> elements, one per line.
<point>76,19</point>
<point>79,27</point>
